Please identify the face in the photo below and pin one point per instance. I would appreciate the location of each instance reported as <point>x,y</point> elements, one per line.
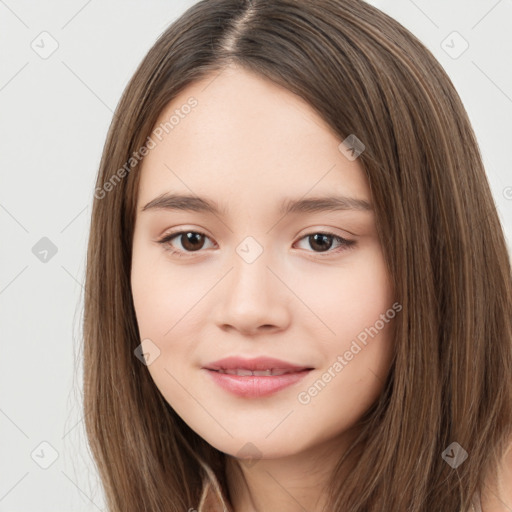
<point>307,286</point>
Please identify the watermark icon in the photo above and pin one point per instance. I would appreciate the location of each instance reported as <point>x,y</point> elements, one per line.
<point>507,193</point>
<point>44,45</point>
<point>44,250</point>
<point>250,454</point>
<point>44,455</point>
<point>351,147</point>
<point>454,45</point>
<point>137,156</point>
<point>147,352</point>
<point>249,249</point>
<point>454,455</point>
<point>304,397</point>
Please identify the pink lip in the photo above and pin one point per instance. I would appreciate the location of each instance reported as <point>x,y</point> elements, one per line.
<point>258,363</point>
<point>252,385</point>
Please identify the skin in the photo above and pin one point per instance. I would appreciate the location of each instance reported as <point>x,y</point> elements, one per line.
<point>497,494</point>
<point>248,144</point>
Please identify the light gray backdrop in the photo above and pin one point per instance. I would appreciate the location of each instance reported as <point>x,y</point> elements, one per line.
<point>63,68</point>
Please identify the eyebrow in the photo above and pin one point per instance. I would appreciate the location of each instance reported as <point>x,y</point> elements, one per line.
<point>311,205</point>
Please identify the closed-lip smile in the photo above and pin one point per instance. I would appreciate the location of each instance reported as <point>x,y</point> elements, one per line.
<point>255,377</point>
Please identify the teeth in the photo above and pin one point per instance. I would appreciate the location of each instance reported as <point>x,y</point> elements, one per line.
<point>258,373</point>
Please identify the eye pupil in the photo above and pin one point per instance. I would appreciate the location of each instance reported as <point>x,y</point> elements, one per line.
<point>191,237</point>
<point>193,241</point>
<point>319,236</point>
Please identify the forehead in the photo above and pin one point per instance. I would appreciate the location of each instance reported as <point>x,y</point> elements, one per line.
<point>248,141</point>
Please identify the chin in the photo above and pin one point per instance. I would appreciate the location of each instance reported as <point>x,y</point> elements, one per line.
<point>255,446</point>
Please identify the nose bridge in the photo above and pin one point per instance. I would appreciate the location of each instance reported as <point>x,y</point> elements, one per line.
<point>251,278</point>
<point>253,295</point>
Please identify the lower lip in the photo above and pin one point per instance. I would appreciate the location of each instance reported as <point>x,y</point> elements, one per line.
<point>252,386</point>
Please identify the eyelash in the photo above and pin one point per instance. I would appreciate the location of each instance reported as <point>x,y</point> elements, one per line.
<point>165,241</point>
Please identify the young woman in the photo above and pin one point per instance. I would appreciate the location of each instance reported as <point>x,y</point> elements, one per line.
<point>298,292</point>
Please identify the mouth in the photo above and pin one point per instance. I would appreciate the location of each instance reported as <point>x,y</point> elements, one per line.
<point>271,372</point>
<point>268,365</point>
<point>255,378</point>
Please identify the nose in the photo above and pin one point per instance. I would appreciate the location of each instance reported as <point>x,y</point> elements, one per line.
<point>252,298</point>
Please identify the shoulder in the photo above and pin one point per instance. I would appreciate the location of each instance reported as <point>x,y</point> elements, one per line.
<point>497,497</point>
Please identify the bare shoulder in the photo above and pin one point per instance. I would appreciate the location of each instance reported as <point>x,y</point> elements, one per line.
<point>498,497</point>
<point>507,479</point>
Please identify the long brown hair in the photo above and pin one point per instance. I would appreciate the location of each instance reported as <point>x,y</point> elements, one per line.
<point>450,380</point>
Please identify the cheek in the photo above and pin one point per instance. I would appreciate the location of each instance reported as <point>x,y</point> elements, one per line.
<point>163,293</point>
<point>356,366</point>
<point>162,311</point>
<point>357,353</point>
<point>349,298</point>
<point>168,308</point>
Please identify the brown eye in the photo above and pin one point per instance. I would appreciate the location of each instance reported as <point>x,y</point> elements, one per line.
<point>191,240</point>
<point>320,241</point>
<point>323,242</point>
<point>194,241</point>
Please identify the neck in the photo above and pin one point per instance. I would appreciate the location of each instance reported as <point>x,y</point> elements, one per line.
<point>292,483</point>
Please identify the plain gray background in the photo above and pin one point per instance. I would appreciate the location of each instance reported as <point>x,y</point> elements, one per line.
<point>55,112</point>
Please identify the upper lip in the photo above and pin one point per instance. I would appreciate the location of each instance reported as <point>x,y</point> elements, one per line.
<point>259,363</point>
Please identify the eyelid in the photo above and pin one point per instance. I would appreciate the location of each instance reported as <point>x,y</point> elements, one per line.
<point>345,244</point>
<point>170,235</point>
